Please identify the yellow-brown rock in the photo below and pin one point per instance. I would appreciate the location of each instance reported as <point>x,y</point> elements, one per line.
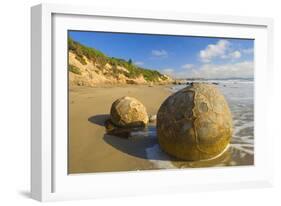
<point>194,123</point>
<point>128,112</point>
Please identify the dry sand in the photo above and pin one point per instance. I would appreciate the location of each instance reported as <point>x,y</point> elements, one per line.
<point>90,149</point>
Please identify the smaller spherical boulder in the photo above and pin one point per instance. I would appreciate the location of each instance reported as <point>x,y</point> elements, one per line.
<point>128,112</point>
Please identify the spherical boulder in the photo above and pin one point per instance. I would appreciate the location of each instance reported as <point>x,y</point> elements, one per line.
<point>128,112</point>
<point>194,123</point>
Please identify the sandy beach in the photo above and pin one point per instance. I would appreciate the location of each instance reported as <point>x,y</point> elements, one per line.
<point>90,149</point>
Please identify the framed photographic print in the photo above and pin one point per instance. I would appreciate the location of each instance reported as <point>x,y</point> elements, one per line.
<point>137,102</point>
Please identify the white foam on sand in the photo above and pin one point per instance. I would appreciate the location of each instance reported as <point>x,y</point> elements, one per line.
<point>154,153</point>
<point>158,157</point>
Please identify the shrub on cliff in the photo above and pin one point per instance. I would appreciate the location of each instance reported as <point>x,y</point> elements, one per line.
<point>74,69</point>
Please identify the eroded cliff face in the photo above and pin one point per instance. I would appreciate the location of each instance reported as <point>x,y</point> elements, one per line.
<point>91,73</point>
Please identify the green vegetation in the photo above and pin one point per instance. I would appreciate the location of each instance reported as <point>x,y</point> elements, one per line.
<point>130,61</point>
<point>91,53</point>
<point>81,59</point>
<point>100,58</point>
<point>74,69</point>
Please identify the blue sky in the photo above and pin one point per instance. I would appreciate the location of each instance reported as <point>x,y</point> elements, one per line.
<point>178,56</point>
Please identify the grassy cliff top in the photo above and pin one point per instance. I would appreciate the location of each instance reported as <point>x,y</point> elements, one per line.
<point>102,59</point>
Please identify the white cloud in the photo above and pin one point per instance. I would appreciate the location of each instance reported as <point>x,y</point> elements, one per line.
<point>222,49</point>
<point>174,73</point>
<point>232,55</point>
<point>159,53</point>
<point>168,71</point>
<point>235,55</point>
<point>187,66</point>
<point>210,71</point>
<point>138,63</point>
<point>242,69</point>
<point>214,50</point>
<point>248,51</point>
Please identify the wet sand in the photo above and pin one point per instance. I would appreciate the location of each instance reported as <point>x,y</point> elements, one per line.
<point>90,148</point>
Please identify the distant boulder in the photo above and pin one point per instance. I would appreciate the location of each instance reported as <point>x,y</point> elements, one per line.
<point>152,118</point>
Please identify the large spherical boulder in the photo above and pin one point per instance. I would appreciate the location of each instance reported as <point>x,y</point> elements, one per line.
<point>128,112</point>
<point>194,123</point>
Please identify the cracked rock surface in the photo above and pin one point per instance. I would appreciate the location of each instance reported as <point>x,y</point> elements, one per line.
<point>128,112</point>
<point>195,123</point>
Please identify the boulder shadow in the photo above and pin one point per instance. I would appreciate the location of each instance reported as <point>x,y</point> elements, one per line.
<point>99,119</point>
<point>140,145</point>
<point>136,142</point>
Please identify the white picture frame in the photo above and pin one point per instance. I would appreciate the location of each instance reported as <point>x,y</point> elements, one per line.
<point>49,178</point>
